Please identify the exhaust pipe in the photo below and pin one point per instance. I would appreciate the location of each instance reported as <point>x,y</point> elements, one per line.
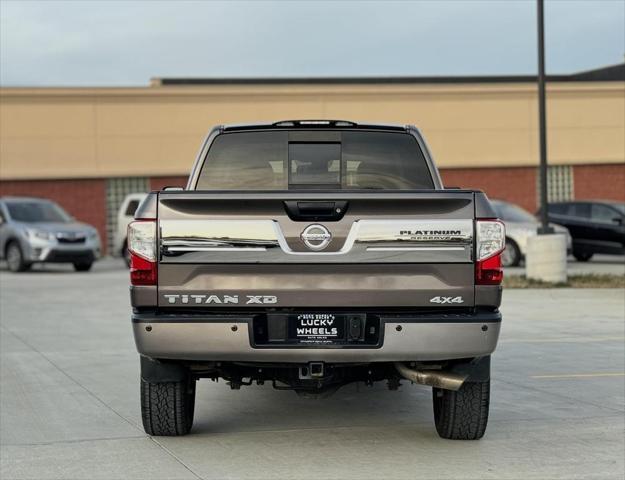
<point>433,378</point>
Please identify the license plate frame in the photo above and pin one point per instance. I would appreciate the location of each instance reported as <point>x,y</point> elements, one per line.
<point>279,330</point>
<point>316,328</point>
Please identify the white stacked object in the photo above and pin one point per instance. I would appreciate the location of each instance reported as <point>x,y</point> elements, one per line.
<point>545,258</point>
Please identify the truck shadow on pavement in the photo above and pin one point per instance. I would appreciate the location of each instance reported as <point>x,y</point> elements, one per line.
<point>261,408</point>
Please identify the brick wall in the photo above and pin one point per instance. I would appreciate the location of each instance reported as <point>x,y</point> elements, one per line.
<point>84,199</point>
<point>514,184</point>
<point>600,182</point>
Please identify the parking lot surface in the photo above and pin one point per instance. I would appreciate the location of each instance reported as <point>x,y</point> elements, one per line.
<point>598,265</point>
<point>69,399</point>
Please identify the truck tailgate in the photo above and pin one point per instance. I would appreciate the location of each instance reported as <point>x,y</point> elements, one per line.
<point>249,250</point>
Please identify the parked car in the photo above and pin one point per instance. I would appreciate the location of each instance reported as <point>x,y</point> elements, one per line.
<point>520,225</point>
<point>125,215</point>
<point>36,230</point>
<point>313,254</point>
<point>596,226</point>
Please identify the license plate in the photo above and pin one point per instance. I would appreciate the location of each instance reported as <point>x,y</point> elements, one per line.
<point>317,328</point>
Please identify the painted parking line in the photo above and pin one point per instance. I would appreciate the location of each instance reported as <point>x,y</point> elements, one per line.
<point>581,375</point>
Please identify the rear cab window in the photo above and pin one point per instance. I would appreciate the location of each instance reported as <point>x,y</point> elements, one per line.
<point>296,160</point>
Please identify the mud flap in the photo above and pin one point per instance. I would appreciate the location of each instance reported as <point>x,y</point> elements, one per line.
<point>155,371</point>
<point>478,369</point>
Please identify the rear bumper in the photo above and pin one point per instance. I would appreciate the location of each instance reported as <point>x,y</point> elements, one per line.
<point>228,338</point>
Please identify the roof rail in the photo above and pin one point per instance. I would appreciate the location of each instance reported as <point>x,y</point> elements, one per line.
<point>311,124</point>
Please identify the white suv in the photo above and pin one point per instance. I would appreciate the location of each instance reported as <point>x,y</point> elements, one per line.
<point>125,215</point>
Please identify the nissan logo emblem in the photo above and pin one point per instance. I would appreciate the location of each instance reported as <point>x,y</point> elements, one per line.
<point>316,237</point>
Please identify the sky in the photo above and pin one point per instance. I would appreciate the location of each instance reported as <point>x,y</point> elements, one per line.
<point>119,42</point>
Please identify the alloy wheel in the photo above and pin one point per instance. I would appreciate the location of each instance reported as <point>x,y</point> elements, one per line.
<point>14,257</point>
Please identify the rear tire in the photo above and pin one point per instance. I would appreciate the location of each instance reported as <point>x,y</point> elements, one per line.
<point>15,258</point>
<point>167,407</point>
<point>463,414</point>
<point>83,266</point>
<point>582,256</point>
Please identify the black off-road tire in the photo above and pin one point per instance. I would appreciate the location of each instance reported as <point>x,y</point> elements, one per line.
<point>83,266</point>
<point>167,407</point>
<point>463,414</point>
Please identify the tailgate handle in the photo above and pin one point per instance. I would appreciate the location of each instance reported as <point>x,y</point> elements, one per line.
<point>303,211</point>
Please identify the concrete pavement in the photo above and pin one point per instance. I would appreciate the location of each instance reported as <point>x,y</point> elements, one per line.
<point>69,403</point>
<point>598,265</point>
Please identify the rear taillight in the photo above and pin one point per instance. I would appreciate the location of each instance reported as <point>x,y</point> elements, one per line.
<point>142,248</point>
<point>490,243</point>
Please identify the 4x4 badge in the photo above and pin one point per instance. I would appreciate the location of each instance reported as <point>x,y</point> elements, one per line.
<point>316,237</point>
<point>446,300</point>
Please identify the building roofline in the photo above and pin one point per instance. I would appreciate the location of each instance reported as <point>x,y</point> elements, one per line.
<point>611,73</point>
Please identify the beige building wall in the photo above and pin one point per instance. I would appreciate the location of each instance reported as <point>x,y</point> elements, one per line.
<point>103,132</point>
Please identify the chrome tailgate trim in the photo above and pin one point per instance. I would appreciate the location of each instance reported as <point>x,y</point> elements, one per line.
<point>263,241</point>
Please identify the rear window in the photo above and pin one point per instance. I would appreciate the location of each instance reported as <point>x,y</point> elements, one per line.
<point>281,160</point>
<point>315,164</point>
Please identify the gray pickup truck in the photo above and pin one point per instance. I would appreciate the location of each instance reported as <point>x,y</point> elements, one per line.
<point>313,254</point>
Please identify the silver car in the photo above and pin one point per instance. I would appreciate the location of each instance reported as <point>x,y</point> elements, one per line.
<point>36,230</point>
<point>520,225</point>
